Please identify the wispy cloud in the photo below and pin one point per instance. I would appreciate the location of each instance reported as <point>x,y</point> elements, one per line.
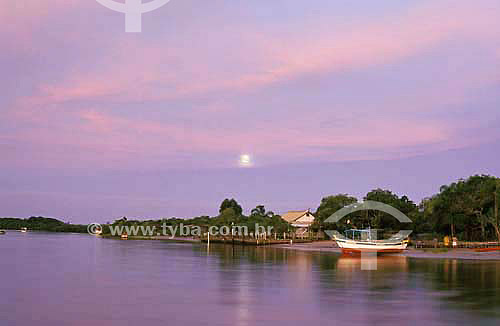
<point>292,83</point>
<point>138,70</point>
<point>203,87</point>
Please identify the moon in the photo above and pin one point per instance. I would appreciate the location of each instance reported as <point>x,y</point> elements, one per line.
<point>245,160</point>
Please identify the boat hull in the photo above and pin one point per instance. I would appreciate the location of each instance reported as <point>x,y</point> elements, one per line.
<point>378,251</point>
<point>357,247</point>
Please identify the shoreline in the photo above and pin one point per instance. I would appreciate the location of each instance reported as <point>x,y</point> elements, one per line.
<point>328,247</point>
<point>463,254</point>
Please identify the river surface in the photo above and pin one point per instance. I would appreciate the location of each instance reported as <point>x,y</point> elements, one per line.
<point>50,279</point>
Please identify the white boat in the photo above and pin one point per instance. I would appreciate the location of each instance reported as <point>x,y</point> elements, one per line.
<point>362,241</point>
<point>24,230</point>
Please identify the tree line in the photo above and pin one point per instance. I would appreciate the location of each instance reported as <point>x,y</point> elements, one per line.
<point>38,223</point>
<point>467,209</point>
<point>230,213</point>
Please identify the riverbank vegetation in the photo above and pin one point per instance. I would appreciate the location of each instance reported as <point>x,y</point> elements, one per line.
<point>41,224</point>
<point>230,214</point>
<point>467,209</point>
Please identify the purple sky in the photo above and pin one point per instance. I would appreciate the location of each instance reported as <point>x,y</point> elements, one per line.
<point>325,96</point>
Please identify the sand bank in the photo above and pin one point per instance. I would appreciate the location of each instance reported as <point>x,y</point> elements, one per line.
<point>330,247</point>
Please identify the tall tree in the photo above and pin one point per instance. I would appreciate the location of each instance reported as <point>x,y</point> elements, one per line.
<point>330,204</point>
<point>260,210</point>
<point>383,220</point>
<point>492,217</point>
<point>228,216</point>
<point>466,207</point>
<point>231,203</point>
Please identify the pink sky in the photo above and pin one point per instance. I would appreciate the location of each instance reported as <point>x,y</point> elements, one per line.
<point>287,82</point>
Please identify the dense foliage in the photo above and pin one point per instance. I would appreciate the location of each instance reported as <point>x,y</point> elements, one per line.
<point>41,224</point>
<point>468,209</point>
<point>230,215</point>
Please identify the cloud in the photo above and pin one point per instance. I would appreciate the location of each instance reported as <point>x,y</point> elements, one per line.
<point>219,75</point>
<point>92,137</point>
<point>137,70</point>
<point>22,18</point>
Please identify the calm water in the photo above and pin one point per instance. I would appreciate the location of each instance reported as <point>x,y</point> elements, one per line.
<point>64,279</point>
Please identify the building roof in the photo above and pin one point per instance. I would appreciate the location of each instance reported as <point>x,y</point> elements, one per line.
<point>292,216</point>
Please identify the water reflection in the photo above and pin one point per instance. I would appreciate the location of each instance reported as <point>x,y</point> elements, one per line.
<point>467,285</point>
<point>59,279</point>
<point>429,291</point>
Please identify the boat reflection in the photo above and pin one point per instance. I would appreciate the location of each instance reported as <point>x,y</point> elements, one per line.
<point>349,263</point>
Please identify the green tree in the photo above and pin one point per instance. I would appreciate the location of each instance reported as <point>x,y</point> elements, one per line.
<point>231,203</point>
<point>328,206</point>
<point>382,220</point>
<point>39,223</point>
<point>466,208</point>
<point>228,216</point>
<point>496,213</point>
<point>260,210</point>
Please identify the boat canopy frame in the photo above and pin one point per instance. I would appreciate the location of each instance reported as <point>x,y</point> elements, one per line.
<point>371,234</point>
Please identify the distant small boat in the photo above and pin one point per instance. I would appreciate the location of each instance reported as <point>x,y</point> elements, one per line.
<point>361,241</point>
<point>2,232</point>
<point>124,236</point>
<point>24,230</point>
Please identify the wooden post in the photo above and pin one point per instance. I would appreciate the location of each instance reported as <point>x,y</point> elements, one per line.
<point>452,228</point>
<point>496,209</point>
<point>232,233</point>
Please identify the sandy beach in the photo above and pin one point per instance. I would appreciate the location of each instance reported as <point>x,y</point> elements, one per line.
<point>330,247</point>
